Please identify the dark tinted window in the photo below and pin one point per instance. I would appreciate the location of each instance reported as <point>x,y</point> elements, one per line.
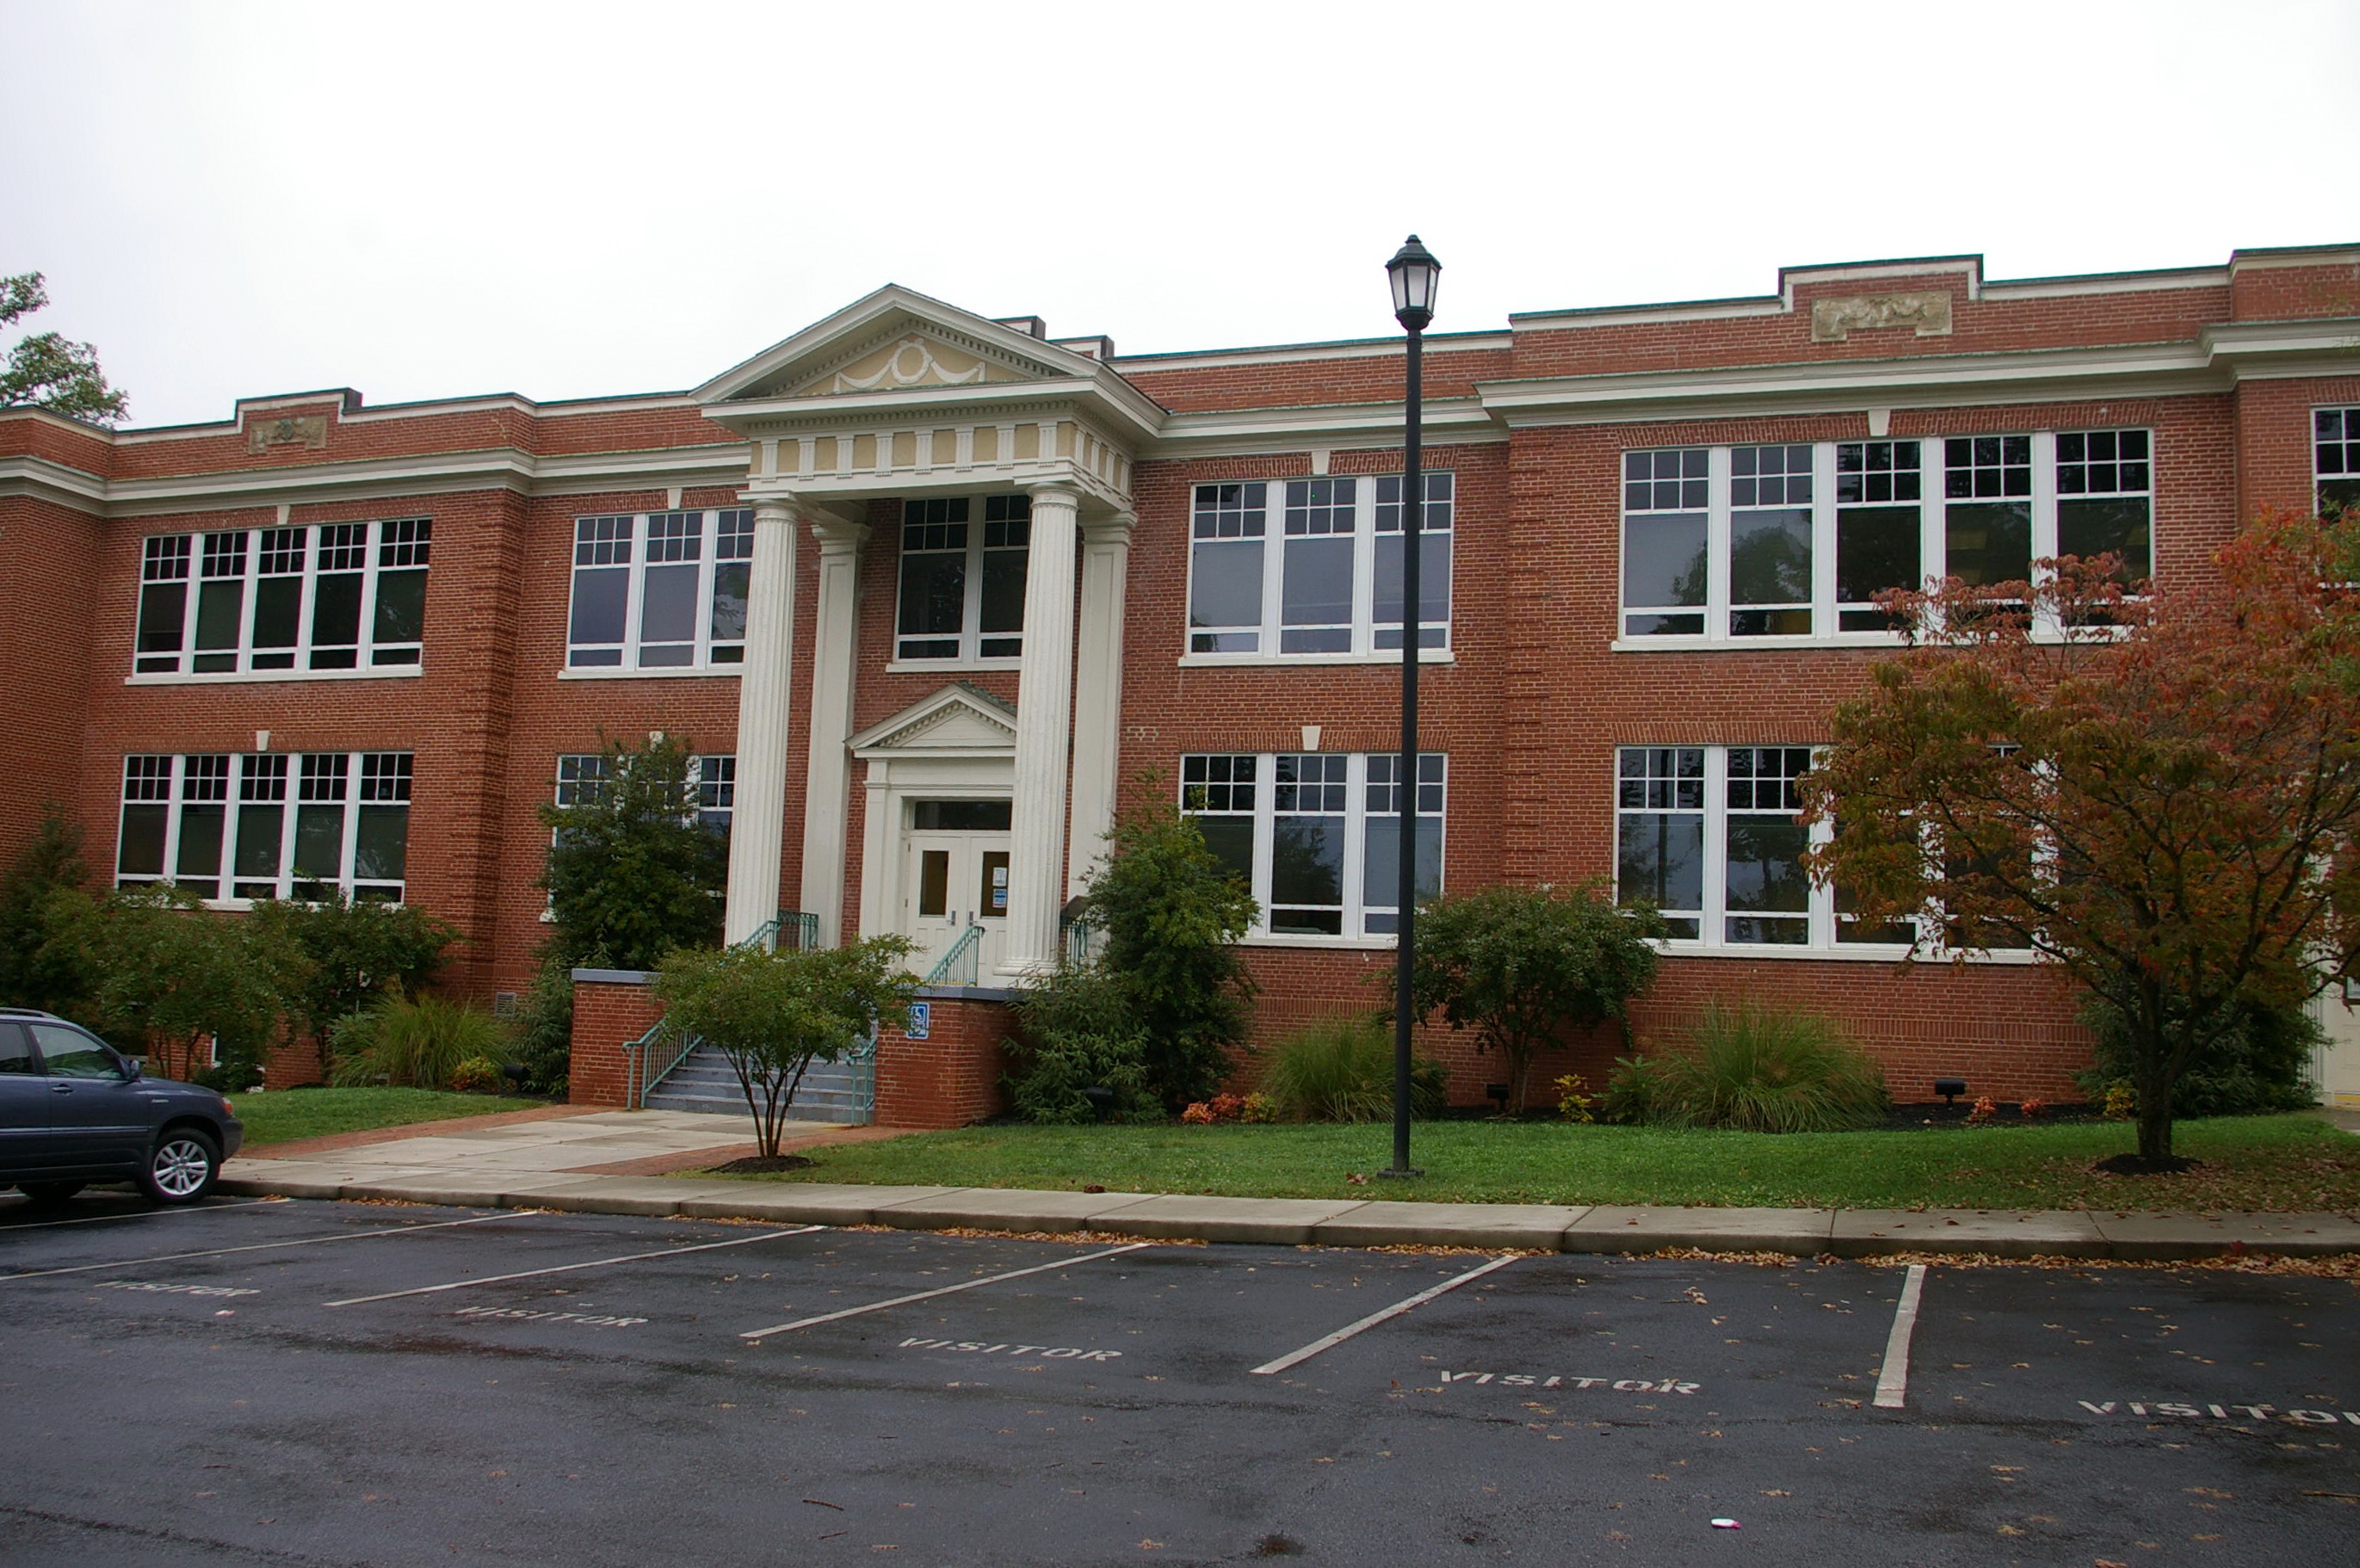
<point>70,1053</point>
<point>15,1052</point>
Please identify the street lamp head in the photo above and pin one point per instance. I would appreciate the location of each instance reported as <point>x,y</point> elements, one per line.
<point>1414,273</point>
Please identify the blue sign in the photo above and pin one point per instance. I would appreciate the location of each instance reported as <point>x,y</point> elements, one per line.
<point>921,1019</point>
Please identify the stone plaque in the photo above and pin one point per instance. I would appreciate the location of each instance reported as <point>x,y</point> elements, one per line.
<point>288,430</point>
<point>1834,321</point>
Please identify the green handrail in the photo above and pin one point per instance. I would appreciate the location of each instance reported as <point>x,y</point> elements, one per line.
<point>963,964</point>
<point>795,929</point>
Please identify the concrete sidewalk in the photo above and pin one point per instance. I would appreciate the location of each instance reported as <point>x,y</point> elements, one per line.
<point>568,1163</point>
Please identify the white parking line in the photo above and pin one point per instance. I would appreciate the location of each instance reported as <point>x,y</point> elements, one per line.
<point>569,1267</point>
<point>140,1214</point>
<point>1296,1358</point>
<point>1893,1379</point>
<point>944,1290</point>
<point>259,1247</point>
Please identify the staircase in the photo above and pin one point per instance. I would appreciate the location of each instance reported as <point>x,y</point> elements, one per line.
<point>704,1081</point>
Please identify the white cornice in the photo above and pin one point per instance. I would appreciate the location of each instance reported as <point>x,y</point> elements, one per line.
<point>1256,432</point>
<point>1309,354</point>
<point>918,407</point>
<point>347,414</point>
<point>503,468</point>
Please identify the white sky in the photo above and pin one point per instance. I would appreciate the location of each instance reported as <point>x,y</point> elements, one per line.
<point>424,200</point>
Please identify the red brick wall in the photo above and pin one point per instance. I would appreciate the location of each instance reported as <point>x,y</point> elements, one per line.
<point>50,558</point>
<point>607,1015</point>
<point>950,1078</point>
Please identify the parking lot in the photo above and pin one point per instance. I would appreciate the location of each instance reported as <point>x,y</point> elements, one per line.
<point>294,1382</point>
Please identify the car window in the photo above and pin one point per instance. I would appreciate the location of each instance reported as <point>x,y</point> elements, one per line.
<point>15,1051</point>
<point>70,1053</point>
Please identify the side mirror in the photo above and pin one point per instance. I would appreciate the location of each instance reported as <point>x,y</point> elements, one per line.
<point>132,1071</point>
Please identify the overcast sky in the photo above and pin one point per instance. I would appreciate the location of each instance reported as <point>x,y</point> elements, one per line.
<point>423,200</point>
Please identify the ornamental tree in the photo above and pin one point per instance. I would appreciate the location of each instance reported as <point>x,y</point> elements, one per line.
<point>632,873</point>
<point>771,1015</point>
<point>45,370</point>
<point>2160,794</point>
<point>1519,965</point>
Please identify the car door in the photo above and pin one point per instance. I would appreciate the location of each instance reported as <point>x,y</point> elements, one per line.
<point>98,1117</point>
<point>24,1104</point>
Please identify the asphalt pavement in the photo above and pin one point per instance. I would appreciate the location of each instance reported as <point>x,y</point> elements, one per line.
<point>291,1382</point>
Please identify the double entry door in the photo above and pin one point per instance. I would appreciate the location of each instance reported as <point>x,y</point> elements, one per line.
<point>954,877</point>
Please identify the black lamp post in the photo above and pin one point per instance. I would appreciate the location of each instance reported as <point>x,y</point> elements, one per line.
<point>1414,273</point>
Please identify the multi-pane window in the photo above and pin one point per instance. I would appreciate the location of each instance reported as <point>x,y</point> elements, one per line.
<point>580,775</point>
<point>962,590</point>
<point>1316,835</point>
<point>1727,544</point>
<point>268,825</point>
<point>1328,579</point>
<point>323,596</point>
<point>660,590</point>
<point>2335,457</point>
<point>1712,837</point>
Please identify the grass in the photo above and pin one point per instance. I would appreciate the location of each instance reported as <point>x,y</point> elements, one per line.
<point>286,1115</point>
<point>2273,1163</point>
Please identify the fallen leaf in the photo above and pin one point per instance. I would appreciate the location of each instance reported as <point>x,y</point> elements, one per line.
<point>1777,1494</point>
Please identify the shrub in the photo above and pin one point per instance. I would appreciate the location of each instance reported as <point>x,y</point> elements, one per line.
<point>476,1075</point>
<point>34,973</point>
<point>1078,1033</point>
<point>1342,1071</point>
<point>412,1044</point>
<point>542,1034</point>
<point>2260,1065</point>
<point>1985,1109</point>
<point>360,950</point>
<point>1575,1102</point>
<point>1755,1070</point>
<point>633,874</point>
<point>1519,965</point>
<point>1172,914</point>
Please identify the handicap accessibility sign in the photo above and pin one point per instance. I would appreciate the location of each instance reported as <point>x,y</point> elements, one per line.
<point>922,1019</point>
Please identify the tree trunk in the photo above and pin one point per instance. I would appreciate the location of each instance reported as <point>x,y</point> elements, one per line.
<point>2155,1126</point>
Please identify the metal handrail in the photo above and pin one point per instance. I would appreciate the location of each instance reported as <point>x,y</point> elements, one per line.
<point>1080,935</point>
<point>794,929</point>
<point>963,964</point>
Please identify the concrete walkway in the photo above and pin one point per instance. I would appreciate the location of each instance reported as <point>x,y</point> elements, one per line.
<point>606,1163</point>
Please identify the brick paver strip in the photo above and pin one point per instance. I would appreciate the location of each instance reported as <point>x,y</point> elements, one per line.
<point>296,1149</point>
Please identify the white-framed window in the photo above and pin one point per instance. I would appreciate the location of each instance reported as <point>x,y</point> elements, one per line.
<point>2335,457</point>
<point>659,590</point>
<point>1793,541</point>
<point>962,585</point>
<point>582,775</point>
<point>324,596</point>
<point>231,826</point>
<point>1321,579</point>
<point>1316,835</point>
<point>1711,835</point>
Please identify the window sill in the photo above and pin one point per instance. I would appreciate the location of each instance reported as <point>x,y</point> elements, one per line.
<point>1746,645</point>
<point>929,666</point>
<point>1850,953</point>
<point>1391,657</point>
<point>612,672</point>
<point>258,677</point>
<point>1336,943</point>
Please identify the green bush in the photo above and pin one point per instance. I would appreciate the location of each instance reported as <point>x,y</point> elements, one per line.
<point>542,1035</point>
<point>412,1044</point>
<point>2261,1065</point>
<point>1342,1071</point>
<point>1752,1069</point>
<point>1079,1032</point>
<point>476,1075</point>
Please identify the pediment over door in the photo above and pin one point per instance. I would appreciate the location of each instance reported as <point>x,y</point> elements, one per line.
<point>957,721</point>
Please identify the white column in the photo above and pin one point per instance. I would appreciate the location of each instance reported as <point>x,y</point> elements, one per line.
<point>1098,693</point>
<point>765,691</point>
<point>834,655</point>
<point>1044,706</point>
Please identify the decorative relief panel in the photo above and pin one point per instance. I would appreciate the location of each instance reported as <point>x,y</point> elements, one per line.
<point>1834,321</point>
<point>914,361</point>
<point>291,430</point>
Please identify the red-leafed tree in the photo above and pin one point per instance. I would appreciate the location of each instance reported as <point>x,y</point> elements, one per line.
<point>2158,793</point>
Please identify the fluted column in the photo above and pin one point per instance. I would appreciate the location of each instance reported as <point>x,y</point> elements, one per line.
<point>1098,693</point>
<point>834,655</point>
<point>765,693</point>
<point>1044,705</point>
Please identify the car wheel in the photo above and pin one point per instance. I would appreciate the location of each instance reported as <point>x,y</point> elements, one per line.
<point>49,1192</point>
<point>182,1168</point>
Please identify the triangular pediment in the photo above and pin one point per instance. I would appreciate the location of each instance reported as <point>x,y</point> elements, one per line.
<point>895,340</point>
<point>957,720</point>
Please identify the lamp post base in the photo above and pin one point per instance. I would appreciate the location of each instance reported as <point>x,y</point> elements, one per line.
<point>1398,1175</point>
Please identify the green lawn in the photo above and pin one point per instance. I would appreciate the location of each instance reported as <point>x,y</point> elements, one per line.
<point>284,1114</point>
<point>2250,1163</point>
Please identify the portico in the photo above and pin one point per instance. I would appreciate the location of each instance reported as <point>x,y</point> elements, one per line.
<point>900,398</point>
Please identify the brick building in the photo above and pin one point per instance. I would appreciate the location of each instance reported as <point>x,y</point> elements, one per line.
<point>932,594</point>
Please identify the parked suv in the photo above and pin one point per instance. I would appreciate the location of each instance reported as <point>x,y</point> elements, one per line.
<point>73,1110</point>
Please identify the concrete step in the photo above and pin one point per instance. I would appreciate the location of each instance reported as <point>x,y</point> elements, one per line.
<point>704,1082</point>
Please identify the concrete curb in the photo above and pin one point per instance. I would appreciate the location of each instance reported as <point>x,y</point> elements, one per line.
<point>1846,1233</point>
